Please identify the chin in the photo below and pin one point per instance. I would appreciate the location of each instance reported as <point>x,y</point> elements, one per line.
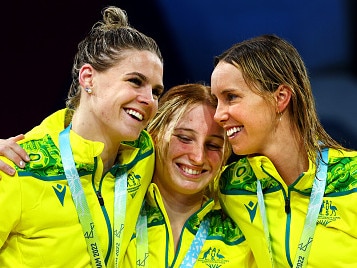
<point>236,150</point>
<point>131,137</point>
<point>239,151</point>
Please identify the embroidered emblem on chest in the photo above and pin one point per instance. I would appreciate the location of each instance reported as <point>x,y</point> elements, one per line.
<point>134,183</point>
<point>213,258</point>
<point>328,212</point>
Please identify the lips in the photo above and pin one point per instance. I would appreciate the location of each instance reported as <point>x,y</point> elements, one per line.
<point>191,171</point>
<point>135,114</point>
<point>233,130</point>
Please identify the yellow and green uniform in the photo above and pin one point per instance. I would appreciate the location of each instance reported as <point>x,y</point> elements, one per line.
<point>335,240</point>
<point>225,245</point>
<point>39,225</point>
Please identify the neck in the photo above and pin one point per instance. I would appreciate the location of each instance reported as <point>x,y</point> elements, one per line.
<point>82,126</point>
<point>289,156</point>
<point>179,208</point>
<point>290,166</point>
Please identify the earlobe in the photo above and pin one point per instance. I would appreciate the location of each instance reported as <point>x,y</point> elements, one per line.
<point>282,96</point>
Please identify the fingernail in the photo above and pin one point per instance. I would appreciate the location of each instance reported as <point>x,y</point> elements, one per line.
<point>27,158</point>
<point>22,164</point>
<point>11,172</point>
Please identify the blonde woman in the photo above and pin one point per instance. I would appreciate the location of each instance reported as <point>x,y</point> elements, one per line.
<point>185,224</point>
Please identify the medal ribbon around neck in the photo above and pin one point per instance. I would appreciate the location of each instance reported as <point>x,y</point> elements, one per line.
<point>196,245</point>
<point>82,207</point>
<point>142,242</point>
<point>315,203</point>
<point>79,200</point>
<point>121,185</point>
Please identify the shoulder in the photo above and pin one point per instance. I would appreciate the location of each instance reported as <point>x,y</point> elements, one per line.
<point>224,228</point>
<point>54,123</point>
<point>238,175</point>
<point>342,171</point>
<point>341,160</point>
<point>144,142</point>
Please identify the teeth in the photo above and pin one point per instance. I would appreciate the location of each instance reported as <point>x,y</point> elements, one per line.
<point>233,130</point>
<point>191,171</point>
<point>135,114</point>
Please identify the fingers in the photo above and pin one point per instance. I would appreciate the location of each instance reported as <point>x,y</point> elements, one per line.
<point>15,152</point>
<point>17,138</point>
<point>11,150</point>
<point>6,168</point>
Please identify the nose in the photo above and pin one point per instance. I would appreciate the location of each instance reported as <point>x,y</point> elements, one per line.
<point>221,114</point>
<point>145,96</point>
<point>198,154</point>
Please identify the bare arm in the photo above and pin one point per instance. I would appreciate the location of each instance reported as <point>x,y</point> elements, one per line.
<point>11,150</point>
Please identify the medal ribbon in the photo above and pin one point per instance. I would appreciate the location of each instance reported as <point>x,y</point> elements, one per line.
<point>315,203</point>
<point>196,245</point>
<point>317,194</point>
<point>79,199</point>
<point>142,243</point>
<point>142,240</point>
<point>264,218</point>
<point>121,184</point>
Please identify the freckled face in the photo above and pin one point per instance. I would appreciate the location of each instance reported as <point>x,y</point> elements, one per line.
<point>194,154</point>
<point>125,97</point>
<point>245,115</point>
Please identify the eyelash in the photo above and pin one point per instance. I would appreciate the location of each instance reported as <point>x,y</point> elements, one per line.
<point>231,97</point>
<point>136,81</point>
<point>213,147</point>
<point>157,92</point>
<point>183,138</point>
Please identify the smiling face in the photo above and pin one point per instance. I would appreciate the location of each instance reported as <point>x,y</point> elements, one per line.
<point>194,153</point>
<point>124,98</point>
<point>247,117</point>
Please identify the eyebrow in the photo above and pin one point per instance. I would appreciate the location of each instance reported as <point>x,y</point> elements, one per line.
<point>225,90</point>
<point>145,79</point>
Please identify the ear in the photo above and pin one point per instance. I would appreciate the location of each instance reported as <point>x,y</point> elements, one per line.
<point>282,96</point>
<point>86,76</point>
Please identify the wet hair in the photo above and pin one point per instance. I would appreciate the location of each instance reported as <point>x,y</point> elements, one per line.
<point>172,107</point>
<point>268,61</point>
<point>105,45</point>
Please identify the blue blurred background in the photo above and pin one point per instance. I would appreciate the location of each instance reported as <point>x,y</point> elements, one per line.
<point>40,39</point>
